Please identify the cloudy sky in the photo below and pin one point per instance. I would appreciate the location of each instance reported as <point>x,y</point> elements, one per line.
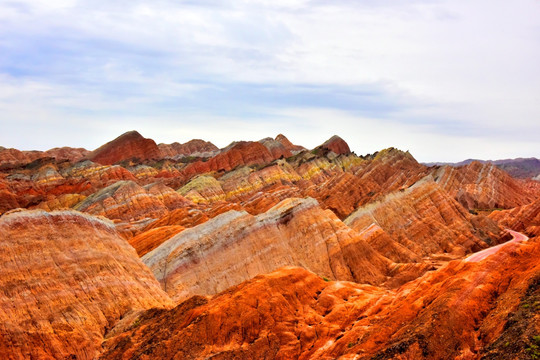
<point>446,80</point>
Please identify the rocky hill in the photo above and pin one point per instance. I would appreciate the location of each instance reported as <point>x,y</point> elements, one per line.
<point>263,249</point>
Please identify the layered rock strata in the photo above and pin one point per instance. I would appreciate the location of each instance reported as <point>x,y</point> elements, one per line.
<point>66,278</point>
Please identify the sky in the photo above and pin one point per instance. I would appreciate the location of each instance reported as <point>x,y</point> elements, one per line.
<point>447,80</point>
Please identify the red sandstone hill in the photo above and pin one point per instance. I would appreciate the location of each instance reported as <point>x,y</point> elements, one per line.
<point>337,145</point>
<point>525,218</point>
<point>195,147</point>
<point>14,156</point>
<point>462,310</point>
<point>66,279</point>
<point>227,224</point>
<point>130,145</point>
<point>484,186</point>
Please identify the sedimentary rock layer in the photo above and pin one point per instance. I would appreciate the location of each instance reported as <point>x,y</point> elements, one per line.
<point>236,246</point>
<point>463,310</point>
<point>425,220</point>
<point>130,145</point>
<point>483,186</point>
<point>66,278</point>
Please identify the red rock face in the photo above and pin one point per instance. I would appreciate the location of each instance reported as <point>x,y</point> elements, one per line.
<point>130,145</point>
<point>193,147</point>
<point>276,148</point>
<point>67,153</point>
<point>294,314</point>
<point>425,220</point>
<point>241,153</point>
<point>219,253</point>
<point>525,218</point>
<point>149,240</point>
<point>289,145</point>
<point>337,145</point>
<point>223,224</point>
<point>66,279</point>
<point>14,156</point>
<point>483,186</point>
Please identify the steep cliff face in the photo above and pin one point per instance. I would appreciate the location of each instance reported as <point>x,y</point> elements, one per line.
<point>483,186</point>
<point>459,311</point>
<point>235,246</point>
<point>130,145</point>
<point>66,279</point>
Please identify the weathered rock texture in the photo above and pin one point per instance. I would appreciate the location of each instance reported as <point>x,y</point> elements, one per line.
<point>483,186</point>
<point>195,147</point>
<point>235,246</point>
<point>521,168</point>
<point>337,145</point>
<point>424,220</point>
<point>206,220</point>
<point>126,200</point>
<point>14,156</point>
<point>66,278</point>
<point>289,145</point>
<point>461,311</point>
<point>236,154</point>
<point>525,218</point>
<point>130,145</point>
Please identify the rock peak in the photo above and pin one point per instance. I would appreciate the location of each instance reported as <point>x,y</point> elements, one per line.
<point>127,146</point>
<point>337,145</point>
<point>130,134</point>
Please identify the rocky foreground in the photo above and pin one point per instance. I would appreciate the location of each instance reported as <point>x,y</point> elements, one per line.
<point>263,249</point>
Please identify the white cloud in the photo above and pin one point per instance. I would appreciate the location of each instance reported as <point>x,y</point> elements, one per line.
<point>440,72</point>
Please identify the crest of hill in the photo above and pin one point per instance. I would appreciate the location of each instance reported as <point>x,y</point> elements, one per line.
<point>523,168</point>
<point>192,147</point>
<point>66,277</point>
<point>130,145</point>
<point>336,144</point>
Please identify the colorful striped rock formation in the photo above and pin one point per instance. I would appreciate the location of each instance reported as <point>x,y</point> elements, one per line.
<point>263,250</point>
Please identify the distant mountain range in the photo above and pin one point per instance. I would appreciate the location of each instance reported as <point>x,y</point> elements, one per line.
<point>524,168</point>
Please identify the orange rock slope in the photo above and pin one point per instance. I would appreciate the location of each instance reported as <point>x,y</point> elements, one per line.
<point>525,218</point>
<point>235,246</point>
<point>130,145</point>
<point>461,311</point>
<point>248,240</point>
<point>66,279</point>
<point>484,186</point>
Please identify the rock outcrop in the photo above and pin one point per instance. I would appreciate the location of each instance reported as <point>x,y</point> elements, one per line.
<point>425,220</point>
<point>236,246</point>
<point>483,186</point>
<point>126,200</point>
<point>337,145</point>
<point>66,278</point>
<point>130,145</point>
<point>289,145</point>
<point>461,311</point>
<point>14,156</point>
<point>276,148</point>
<point>525,218</point>
<point>236,154</point>
<point>195,147</point>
